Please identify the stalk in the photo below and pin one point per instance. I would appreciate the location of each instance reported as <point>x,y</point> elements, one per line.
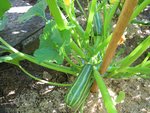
<point>77,49</point>
<point>70,61</point>
<point>90,21</point>
<point>73,20</point>
<point>108,17</point>
<point>103,45</point>
<point>81,8</point>
<point>76,38</point>
<point>140,8</point>
<point>120,27</point>
<point>44,64</point>
<point>145,60</point>
<point>44,81</point>
<point>109,105</point>
<point>57,14</point>
<point>136,53</point>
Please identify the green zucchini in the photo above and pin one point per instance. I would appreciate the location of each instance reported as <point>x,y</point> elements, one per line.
<point>97,27</point>
<point>80,89</point>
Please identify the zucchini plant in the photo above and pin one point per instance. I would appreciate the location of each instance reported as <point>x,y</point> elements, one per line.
<point>64,39</point>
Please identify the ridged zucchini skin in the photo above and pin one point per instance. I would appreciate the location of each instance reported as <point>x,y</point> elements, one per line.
<point>81,88</point>
<point>97,24</point>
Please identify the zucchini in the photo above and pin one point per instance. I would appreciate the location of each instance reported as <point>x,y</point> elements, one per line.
<point>80,89</point>
<point>97,28</point>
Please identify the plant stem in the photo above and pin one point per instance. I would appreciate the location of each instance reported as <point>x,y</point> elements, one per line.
<point>109,105</point>
<point>76,38</point>
<point>44,64</point>
<point>120,27</point>
<point>140,8</point>
<point>103,45</point>
<point>108,17</point>
<point>136,53</point>
<point>70,61</point>
<point>44,81</point>
<point>81,8</point>
<point>78,28</point>
<point>57,14</point>
<point>77,49</point>
<point>90,21</point>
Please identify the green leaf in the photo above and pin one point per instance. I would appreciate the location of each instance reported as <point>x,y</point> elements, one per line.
<point>37,10</point>
<point>3,22</point>
<point>48,54</point>
<point>120,97</point>
<point>4,6</point>
<point>53,44</point>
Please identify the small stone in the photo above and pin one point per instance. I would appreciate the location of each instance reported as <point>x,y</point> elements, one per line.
<point>47,76</point>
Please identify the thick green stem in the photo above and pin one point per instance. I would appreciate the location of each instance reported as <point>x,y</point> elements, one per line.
<point>90,21</point>
<point>110,107</point>
<point>70,61</point>
<point>78,28</point>
<point>76,38</point>
<point>44,64</point>
<point>102,46</point>
<point>70,12</point>
<point>57,14</point>
<point>108,17</point>
<point>77,49</point>
<point>136,53</point>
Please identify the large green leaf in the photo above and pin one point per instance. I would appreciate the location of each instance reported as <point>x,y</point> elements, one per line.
<point>37,10</point>
<point>4,6</point>
<point>48,54</point>
<point>53,44</point>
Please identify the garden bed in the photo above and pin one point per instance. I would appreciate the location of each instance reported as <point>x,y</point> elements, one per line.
<point>20,94</point>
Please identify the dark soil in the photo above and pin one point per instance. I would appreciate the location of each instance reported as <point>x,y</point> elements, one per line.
<point>21,94</point>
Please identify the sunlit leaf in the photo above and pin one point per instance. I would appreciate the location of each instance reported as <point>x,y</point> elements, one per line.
<point>53,44</point>
<point>4,6</point>
<point>37,10</point>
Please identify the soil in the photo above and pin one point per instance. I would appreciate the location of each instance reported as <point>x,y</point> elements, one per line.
<point>21,94</point>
